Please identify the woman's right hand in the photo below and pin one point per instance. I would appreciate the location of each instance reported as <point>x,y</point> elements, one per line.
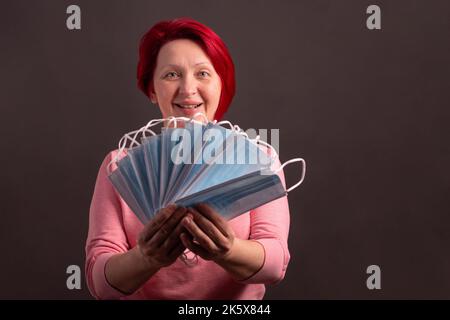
<point>159,242</point>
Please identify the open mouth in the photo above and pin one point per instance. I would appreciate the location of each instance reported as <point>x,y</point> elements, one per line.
<point>188,106</point>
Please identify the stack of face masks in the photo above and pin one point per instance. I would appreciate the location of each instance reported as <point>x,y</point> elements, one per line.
<point>192,162</point>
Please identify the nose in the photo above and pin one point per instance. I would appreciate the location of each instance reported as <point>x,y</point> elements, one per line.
<point>188,86</point>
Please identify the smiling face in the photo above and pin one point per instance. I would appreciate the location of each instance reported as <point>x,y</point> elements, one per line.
<point>185,81</point>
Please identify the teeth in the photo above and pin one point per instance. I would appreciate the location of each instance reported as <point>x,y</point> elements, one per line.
<point>189,106</point>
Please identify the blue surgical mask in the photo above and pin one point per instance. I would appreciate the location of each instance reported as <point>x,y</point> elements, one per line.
<point>235,197</point>
<point>205,163</point>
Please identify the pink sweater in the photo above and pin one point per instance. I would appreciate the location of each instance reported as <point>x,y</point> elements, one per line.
<point>114,228</point>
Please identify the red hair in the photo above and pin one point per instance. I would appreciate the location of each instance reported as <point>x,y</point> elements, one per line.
<point>208,40</point>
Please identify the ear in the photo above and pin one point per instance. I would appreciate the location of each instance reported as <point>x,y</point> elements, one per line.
<point>153,98</point>
<point>151,94</point>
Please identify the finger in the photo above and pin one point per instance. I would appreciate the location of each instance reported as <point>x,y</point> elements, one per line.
<point>167,228</point>
<point>177,251</point>
<point>174,238</point>
<point>159,219</point>
<point>201,237</point>
<point>211,230</point>
<point>214,217</point>
<point>195,248</point>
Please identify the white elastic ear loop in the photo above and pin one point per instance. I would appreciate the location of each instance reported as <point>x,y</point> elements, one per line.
<point>185,119</point>
<point>303,171</point>
<point>225,122</point>
<point>189,262</point>
<point>171,119</point>
<point>235,128</point>
<point>132,138</point>
<point>200,114</point>
<point>273,152</point>
<point>148,131</point>
<point>240,131</point>
<point>152,123</point>
<point>122,146</point>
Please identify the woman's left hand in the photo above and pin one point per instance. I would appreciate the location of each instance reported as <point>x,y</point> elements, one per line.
<point>209,235</point>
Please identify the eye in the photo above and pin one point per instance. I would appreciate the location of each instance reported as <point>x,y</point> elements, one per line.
<point>204,74</point>
<point>171,75</point>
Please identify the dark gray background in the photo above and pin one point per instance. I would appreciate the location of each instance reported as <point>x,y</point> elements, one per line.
<point>368,110</point>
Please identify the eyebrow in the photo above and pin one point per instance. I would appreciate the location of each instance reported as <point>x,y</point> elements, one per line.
<point>197,64</point>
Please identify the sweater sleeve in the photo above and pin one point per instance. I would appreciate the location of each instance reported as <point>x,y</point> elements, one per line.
<point>269,225</point>
<point>106,235</point>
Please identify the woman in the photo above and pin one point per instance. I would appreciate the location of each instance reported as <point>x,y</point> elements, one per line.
<point>184,68</point>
